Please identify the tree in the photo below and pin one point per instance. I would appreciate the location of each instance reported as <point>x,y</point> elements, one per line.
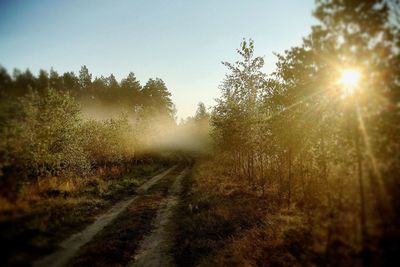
<point>85,78</point>
<point>235,117</point>
<point>130,90</point>
<point>100,88</point>
<point>70,82</point>
<point>201,113</point>
<point>43,81</point>
<point>112,83</point>
<point>157,99</point>
<point>113,92</point>
<point>370,40</point>
<point>55,81</point>
<point>319,147</point>
<point>5,82</point>
<point>23,82</point>
<point>41,138</point>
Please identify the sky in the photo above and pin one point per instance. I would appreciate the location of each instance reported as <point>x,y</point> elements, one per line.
<point>180,41</point>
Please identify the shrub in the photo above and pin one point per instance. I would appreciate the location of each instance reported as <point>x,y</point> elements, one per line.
<point>109,141</point>
<point>40,136</point>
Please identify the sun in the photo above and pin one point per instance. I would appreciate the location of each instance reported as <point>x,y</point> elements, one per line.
<point>349,79</point>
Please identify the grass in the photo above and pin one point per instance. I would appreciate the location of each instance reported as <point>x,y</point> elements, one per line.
<point>221,223</point>
<point>33,226</point>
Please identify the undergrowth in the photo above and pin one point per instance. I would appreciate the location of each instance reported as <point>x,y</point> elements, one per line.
<point>220,222</point>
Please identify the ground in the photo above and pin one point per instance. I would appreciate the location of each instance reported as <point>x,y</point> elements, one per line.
<point>181,216</point>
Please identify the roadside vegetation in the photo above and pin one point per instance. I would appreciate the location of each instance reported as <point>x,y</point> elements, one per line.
<point>305,167</point>
<point>222,222</point>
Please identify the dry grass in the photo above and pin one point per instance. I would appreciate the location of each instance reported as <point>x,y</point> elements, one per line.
<point>221,222</point>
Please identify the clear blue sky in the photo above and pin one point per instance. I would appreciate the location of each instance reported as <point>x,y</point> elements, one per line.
<point>181,41</point>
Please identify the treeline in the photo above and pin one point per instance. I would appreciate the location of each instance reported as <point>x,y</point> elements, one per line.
<point>44,131</point>
<point>308,143</point>
<point>127,93</point>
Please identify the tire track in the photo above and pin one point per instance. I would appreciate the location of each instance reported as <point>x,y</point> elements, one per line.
<point>154,250</point>
<point>70,247</point>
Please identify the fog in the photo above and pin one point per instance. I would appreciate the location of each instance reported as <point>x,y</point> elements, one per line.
<point>152,133</point>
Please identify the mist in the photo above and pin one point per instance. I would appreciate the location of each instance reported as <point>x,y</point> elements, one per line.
<point>159,134</point>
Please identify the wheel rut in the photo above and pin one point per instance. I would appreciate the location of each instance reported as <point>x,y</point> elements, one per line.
<point>71,246</point>
<point>155,248</point>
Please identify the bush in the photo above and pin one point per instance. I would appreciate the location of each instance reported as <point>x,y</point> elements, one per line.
<point>40,136</point>
<point>108,141</point>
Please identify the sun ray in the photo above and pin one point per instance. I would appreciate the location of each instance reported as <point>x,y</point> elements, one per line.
<point>369,151</point>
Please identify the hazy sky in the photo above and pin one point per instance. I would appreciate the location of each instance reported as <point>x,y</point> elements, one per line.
<point>181,41</point>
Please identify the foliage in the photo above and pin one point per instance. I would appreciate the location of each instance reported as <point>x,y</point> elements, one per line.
<point>329,153</point>
<point>221,222</point>
<point>152,100</point>
<point>110,141</point>
<point>41,135</point>
<point>45,130</point>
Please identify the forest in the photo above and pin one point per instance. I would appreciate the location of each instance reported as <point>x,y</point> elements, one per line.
<point>298,167</point>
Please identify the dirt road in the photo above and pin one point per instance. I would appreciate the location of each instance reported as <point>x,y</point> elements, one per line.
<point>154,250</point>
<point>70,247</point>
